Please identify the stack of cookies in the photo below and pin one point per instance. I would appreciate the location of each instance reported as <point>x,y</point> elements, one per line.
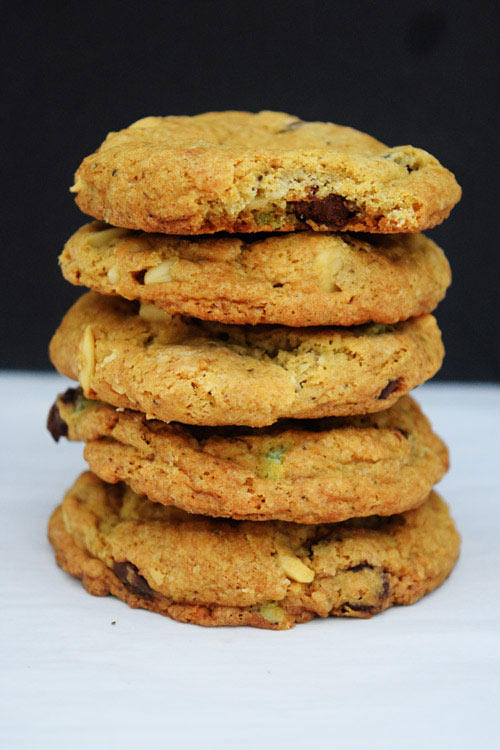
<point>260,308</point>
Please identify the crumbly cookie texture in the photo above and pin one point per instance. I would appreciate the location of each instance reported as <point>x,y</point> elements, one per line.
<point>268,575</point>
<point>238,171</point>
<point>317,471</point>
<point>298,279</point>
<point>205,373</point>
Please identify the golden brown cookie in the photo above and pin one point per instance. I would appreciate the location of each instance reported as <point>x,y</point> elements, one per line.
<point>237,171</point>
<point>268,575</point>
<point>298,279</point>
<point>316,471</point>
<point>190,371</point>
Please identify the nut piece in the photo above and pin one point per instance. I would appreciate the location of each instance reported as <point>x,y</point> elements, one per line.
<point>295,569</point>
<point>271,612</point>
<point>157,577</point>
<point>328,264</point>
<point>87,359</point>
<point>151,313</point>
<point>113,275</point>
<point>109,358</point>
<point>105,236</point>
<point>160,274</point>
<point>77,186</point>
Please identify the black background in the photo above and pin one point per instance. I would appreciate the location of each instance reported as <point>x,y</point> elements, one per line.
<point>425,73</point>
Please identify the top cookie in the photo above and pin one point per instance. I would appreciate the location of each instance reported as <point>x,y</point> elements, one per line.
<point>244,172</point>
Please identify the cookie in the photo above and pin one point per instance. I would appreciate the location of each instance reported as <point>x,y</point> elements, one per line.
<point>196,372</point>
<point>268,575</point>
<point>244,172</point>
<point>316,471</point>
<point>298,279</point>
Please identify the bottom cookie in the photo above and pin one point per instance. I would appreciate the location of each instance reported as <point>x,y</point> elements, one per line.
<point>267,574</point>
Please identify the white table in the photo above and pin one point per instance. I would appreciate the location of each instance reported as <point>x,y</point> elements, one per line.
<point>414,677</point>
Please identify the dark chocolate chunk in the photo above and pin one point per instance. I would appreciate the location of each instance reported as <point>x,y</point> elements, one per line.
<point>391,386</point>
<point>129,575</point>
<point>382,594</point>
<point>358,607</point>
<point>70,396</point>
<point>56,424</point>
<point>385,587</point>
<point>357,568</point>
<point>332,211</point>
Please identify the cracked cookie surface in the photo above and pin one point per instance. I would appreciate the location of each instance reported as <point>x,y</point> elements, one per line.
<point>196,372</point>
<point>298,279</point>
<point>269,575</point>
<point>238,171</point>
<point>317,471</point>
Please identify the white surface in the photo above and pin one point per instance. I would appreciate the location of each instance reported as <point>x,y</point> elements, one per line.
<point>415,677</point>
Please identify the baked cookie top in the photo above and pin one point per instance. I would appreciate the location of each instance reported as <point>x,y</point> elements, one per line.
<point>270,574</point>
<point>244,172</point>
<point>196,372</point>
<point>316,471</point>
<point>297,279</point>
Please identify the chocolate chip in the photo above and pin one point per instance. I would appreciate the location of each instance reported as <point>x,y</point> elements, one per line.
<point>331,211</point>
<point>56,424</point>
<point>385,586</point>
<point>391,386</point>
<point>358,607</point>
<point>379,576</point>
<point>129,575</point>
<point>70,396</point>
